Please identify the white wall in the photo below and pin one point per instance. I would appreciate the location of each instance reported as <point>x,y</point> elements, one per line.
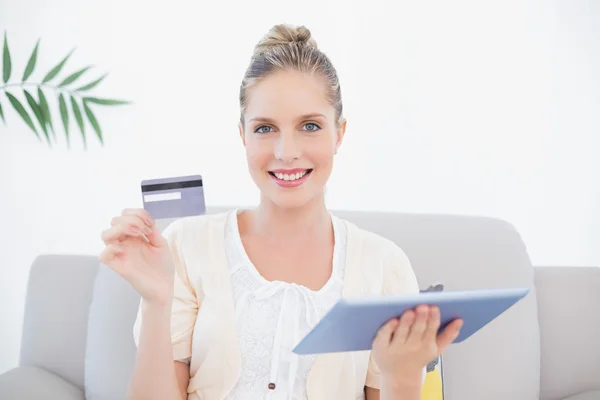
<point>465,107</point>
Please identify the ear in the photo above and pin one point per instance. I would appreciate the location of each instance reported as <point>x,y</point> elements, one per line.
<point>340,135</point>
<point>242,136</point>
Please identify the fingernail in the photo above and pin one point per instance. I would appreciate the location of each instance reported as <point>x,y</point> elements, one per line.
<point>147,231</point>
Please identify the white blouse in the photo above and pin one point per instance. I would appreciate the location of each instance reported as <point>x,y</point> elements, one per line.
<point>272,317</point>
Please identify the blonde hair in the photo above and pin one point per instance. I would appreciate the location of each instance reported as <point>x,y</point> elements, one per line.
<point>290,47</point>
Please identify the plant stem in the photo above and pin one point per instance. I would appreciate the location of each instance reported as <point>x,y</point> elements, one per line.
<point>44,85</point>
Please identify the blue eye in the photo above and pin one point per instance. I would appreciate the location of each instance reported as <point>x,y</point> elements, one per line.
<point>263,129</point>
<point>311,127</point>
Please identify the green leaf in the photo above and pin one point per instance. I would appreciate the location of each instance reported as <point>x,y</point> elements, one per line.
<point>73,77</point>
<point>78,118</point>
<point>37,111</point>
<point>64,114</point>
<point>93,122</point>
<point>105,102</point>
<point>46,110</point>
<point>91,85</point>
<point>7,64</point>
<point>2,114</point>
<point>22,112</point>
<point>31,62</point>
<point>54,71</point>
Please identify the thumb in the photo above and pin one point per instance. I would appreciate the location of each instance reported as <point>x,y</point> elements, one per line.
<point>155,238</point>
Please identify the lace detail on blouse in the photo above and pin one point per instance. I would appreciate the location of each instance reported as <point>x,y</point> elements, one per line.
<point>272,317</point>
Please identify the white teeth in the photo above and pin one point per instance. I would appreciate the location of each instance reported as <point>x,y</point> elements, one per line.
<point>290,177</point>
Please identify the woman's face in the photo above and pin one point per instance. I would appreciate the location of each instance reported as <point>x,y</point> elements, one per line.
<point>291,136</point>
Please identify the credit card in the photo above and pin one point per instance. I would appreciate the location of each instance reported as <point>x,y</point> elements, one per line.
<point>174,197</point>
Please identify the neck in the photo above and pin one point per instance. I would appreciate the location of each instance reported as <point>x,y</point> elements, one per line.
<point>273,221</point>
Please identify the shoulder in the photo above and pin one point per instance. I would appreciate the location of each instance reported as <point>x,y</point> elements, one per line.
<point>196,244</point>
<point>194,226</point>
<point>382,257</point>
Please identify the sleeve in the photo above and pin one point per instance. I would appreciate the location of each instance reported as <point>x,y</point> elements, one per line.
<point>398,278</point>
<point>185,299</point>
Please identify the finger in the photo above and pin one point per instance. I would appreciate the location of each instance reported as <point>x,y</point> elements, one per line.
<point>133,225</point>
<point>384,335</point>
<point>449,334</point>
<point>155,238</point>
<point>141,213</point>
<point>132,221</point>
<point>433,327</point>
<point>118,233</point>
<point>401,332</point>
<point>152,234</point>
<point>110,253</point>
<point>419,327</point>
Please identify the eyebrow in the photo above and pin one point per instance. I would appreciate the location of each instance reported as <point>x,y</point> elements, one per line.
<point>302,117</point>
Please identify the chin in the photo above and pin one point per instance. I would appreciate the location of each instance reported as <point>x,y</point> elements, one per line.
<point>290,201</point>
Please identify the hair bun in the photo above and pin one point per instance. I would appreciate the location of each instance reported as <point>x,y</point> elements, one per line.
<point>284,34</point>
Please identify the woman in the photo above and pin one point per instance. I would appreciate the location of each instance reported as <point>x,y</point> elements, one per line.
<point>225,297</point>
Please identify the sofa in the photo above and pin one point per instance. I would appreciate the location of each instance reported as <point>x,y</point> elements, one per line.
<point>77,338</point>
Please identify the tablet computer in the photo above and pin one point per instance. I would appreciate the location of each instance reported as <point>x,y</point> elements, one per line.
<point>352,323</point>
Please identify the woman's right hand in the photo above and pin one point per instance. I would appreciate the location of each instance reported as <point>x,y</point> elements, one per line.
<point>136,250</point>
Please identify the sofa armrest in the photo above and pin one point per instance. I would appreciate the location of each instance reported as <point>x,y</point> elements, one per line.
<point>59,293</point>
<point>568,300</point>
<point>33,383</point>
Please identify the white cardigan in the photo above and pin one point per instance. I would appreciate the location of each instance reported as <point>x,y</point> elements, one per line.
<point>203,317</point>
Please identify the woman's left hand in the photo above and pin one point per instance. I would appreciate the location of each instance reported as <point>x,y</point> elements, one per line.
<point>403,347</point>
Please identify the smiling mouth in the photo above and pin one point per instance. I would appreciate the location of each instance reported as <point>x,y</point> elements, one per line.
<point>290,177</point>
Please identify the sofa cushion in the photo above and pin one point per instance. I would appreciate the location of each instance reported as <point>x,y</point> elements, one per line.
<point>595,395</point>
<point>33,383</point>
<point>110,349</point>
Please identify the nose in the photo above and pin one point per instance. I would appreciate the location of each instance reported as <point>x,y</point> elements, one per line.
<point>287,149</point>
